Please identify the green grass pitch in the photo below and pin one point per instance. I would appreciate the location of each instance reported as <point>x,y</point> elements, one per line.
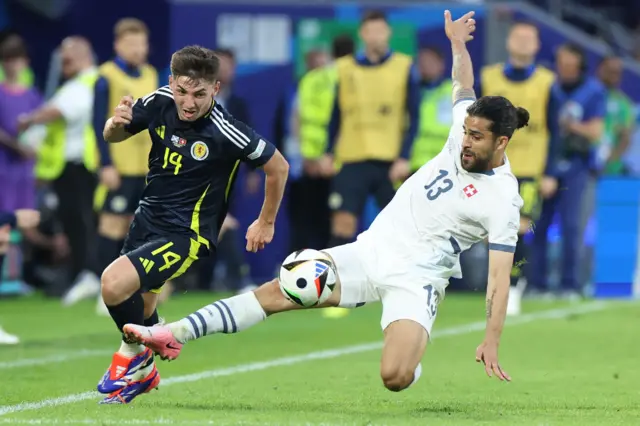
<point>570,364</point>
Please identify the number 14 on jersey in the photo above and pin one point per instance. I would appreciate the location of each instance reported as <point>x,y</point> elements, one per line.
<point>172,158</point>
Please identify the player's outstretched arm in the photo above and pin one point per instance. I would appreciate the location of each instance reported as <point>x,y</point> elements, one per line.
<point>459,33</point>
<point>261,231</point>
<point>500,263</point>
<point>277,171</point>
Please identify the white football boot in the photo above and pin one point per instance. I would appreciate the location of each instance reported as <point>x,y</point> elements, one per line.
<point>8,339</point>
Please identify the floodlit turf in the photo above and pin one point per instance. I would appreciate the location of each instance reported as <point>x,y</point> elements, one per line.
<point>571,369</point>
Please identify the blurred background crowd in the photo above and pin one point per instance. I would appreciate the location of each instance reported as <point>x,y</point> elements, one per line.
<point>64,62</point>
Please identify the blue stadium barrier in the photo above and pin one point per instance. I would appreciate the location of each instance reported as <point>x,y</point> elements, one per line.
<point>616,245</point>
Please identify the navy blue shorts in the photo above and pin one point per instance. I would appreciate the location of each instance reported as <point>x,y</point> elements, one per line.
<point>160,257</point>
<point>355,182</point>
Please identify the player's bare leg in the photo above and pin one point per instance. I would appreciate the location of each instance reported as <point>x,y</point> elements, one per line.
<point>404,345</point>
<point>132,370</point>
<point>167,290</point>
<point>151,300</point>
<point>227,316</point>
<point>344,226</point>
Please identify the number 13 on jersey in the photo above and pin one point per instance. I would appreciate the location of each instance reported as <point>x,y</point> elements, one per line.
<point>172,158</point>
<point>439,185</point>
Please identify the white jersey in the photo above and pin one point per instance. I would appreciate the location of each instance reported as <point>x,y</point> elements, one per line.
<point>443,210</point>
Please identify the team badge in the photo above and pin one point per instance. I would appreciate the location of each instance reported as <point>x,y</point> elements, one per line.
<point>118,204</point>
<point>199,151</point>
<point>178,142</point>
<point>470,191</point>
<point>335,201</point>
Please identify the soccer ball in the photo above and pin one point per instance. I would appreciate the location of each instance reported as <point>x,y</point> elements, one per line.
<point>307,277</point>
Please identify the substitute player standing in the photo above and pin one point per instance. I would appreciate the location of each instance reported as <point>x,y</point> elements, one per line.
<point>372,128</point>
<point>197,147</point>
<point>123,166</point>
<point>464,195</point>
<point>533,151</point>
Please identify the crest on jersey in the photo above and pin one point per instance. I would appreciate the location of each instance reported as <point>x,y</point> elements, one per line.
<point>470,191</point>
<point>178,142</point>
<point>199,151</point>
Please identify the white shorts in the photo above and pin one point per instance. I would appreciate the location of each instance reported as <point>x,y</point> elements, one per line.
<point>403,293</point>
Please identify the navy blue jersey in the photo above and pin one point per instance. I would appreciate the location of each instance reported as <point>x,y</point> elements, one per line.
<point>192,165</point>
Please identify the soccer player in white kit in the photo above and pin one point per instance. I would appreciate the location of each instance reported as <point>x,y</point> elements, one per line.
<point>405,259</point>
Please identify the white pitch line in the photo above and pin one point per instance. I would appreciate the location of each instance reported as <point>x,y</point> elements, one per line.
<point>54,359</point>
<point>158,421</point>
<point>296,359</point>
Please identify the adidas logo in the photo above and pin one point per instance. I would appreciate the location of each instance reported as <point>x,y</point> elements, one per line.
<point>147,264</point>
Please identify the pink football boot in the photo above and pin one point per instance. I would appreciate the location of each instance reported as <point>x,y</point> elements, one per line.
<point>158,338</point>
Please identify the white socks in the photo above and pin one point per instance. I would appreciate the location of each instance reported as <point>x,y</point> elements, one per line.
<point>416,374</point>
<point>224,316</point>
<point>130,349</point>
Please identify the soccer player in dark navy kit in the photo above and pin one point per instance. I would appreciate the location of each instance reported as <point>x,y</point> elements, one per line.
<point>197,147</point>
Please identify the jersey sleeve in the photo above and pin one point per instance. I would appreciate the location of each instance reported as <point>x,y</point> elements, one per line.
<point>141,115</point>
<point>504,223</point>
<point>245,143</point>
<point>459,114</point>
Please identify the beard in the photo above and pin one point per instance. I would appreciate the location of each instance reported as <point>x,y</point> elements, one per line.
<point>474,164</point>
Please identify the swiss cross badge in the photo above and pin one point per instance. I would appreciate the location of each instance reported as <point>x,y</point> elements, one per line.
<point>470,191</point>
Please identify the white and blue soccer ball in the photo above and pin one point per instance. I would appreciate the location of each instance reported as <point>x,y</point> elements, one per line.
<point>307,277</point>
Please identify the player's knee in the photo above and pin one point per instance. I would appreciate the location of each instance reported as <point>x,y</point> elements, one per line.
<point>111,288</point>
<point>117,285</point>
<point>271,298</point>
<point>344,224</point>
<point>396,377</point>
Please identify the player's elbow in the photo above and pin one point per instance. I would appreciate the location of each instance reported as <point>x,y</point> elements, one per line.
<point>277,166</point>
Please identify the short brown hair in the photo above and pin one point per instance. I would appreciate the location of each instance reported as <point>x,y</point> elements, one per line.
<point>129,26</point>
<point>373,15</point>
<point>13,47</point>
<point>195,62</point>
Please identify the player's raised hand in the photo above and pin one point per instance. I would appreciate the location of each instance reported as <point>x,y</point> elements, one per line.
<point>460,29</point>
<point>488,353</point>
<point>259,234</point>
<point>123,112</point>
